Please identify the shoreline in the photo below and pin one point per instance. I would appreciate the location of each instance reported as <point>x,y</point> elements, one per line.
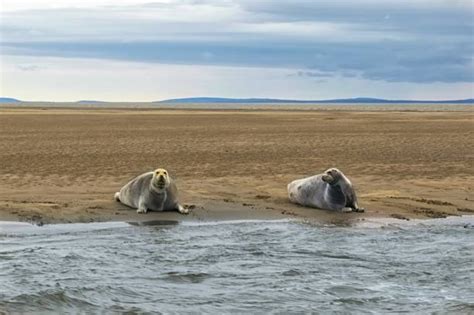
<point>11,227</point>
<point>59,205</point>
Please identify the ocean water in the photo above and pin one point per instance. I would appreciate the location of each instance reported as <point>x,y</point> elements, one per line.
<point>238,267</point>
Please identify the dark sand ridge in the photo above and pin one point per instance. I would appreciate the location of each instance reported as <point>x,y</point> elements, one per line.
<point>64,165</point>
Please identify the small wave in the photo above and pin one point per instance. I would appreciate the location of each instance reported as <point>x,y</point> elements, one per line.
<point>46,301</point>
<point>154,223</point>
<point>62,302</point>
<point>292,273</point>
<point>192,277</point>
<point>22,228</point>
<point>461,308</point>
<point>227,222</point>
<point>376,223</point>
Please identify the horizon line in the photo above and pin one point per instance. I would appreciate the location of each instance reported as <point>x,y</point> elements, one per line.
<point>216,98</point>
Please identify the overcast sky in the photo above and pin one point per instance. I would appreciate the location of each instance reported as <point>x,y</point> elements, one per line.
<point>124,50</point>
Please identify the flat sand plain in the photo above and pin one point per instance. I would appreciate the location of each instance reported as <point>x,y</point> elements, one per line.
<point>64,165</point>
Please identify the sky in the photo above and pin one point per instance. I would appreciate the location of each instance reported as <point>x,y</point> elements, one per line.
<point>132,50</point>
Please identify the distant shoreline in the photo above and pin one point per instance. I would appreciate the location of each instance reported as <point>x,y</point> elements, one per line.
<point>448,107</point>
<point>263,101</point>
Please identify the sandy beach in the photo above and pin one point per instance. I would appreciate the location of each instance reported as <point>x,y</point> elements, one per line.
<point>64,165</point>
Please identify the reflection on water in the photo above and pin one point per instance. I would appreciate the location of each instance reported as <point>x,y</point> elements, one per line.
<point>258,266</point>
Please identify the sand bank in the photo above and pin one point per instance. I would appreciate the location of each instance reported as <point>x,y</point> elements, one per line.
<point>64,165</point>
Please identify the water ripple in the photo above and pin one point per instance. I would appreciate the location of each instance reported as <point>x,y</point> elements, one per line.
<point>248,266</point>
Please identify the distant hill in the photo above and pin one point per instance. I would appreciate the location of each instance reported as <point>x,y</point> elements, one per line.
<point>9,100</point>
<point>223,100</point>
<point>358,100</point>
<point>90,102</point>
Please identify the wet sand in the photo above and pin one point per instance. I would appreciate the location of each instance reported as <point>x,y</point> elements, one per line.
<point>64,165</point>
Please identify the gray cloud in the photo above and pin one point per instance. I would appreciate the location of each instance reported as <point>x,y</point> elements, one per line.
<point>394,41</point>
<point>27,67</point>
<point>313,74</point>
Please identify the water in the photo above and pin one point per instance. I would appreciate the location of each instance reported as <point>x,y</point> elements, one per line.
<point>241,267</point>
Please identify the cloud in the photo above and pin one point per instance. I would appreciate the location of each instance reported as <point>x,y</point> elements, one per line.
<point>313,74</point>
<point>72,79</point>
<point>416,41</point>
<point>28,67</point>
